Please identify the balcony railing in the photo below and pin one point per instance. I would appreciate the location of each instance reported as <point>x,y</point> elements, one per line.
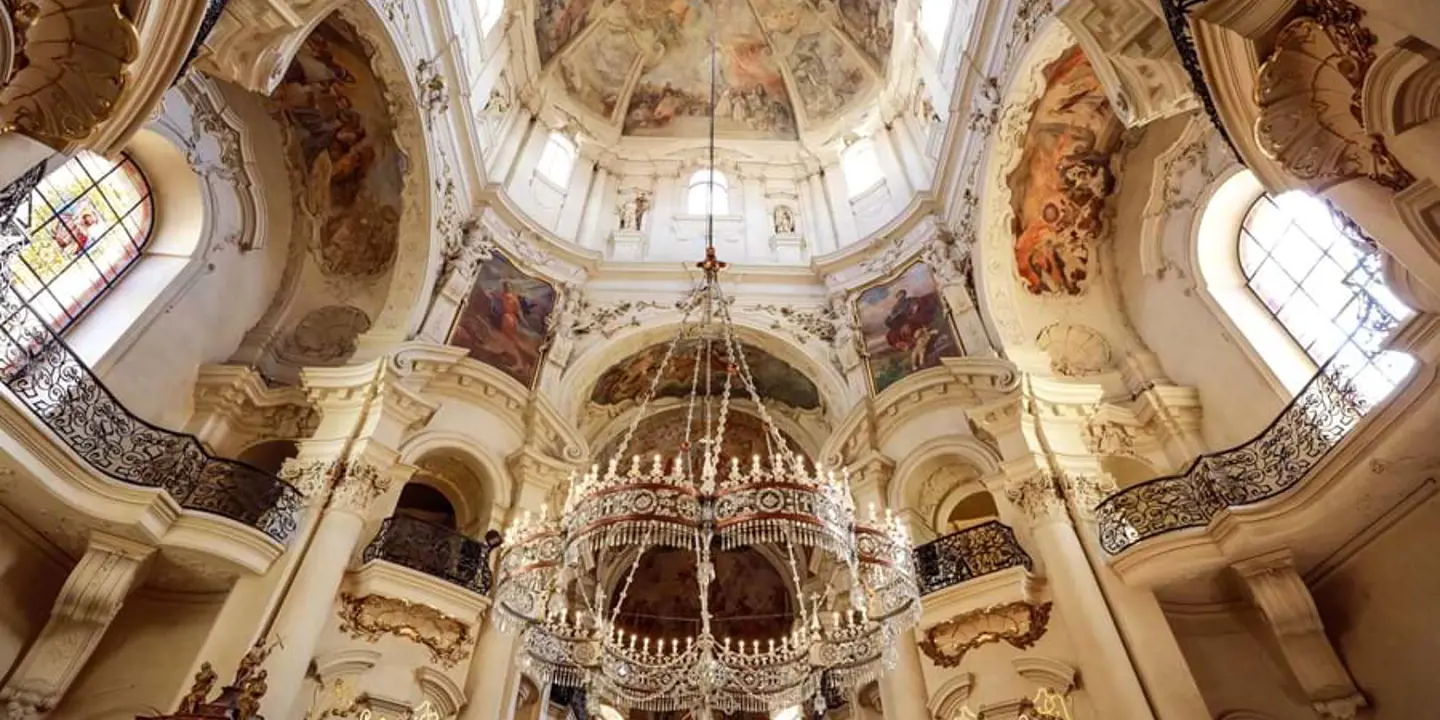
<point>213,10</point>
<point>966,555</point>
<point>44,375</point>
<point>1314,422</point>
<point>1177,19</point>
<point>434,550</point>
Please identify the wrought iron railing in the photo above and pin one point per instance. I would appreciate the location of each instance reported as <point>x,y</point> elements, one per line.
<point>968,554</point>
<point>434,550</point>
<point>1177,19</point>
<point>1314,422</point>
<point>44,375</point>
<point>213,10</point>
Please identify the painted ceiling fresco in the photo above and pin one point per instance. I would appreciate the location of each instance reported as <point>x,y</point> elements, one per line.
<point>663,602</point>
<point>1058,190</point>
<point>651,60</point>
<point>663,432</point>
<point>774,379</point>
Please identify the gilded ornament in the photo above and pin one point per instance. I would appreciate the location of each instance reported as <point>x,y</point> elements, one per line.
<point>373,616</point>
<point>1020,624</point>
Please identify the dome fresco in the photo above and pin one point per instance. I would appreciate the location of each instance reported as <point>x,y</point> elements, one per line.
<point>784,66</point>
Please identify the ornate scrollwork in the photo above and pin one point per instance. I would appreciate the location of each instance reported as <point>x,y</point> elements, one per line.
<point>966,555</point>
<point>434,550</point>
<point>43,374</point>
<point>1019,624</point>
<point>1277,459</point>
<point>75,71</point>
<point>371,617</point>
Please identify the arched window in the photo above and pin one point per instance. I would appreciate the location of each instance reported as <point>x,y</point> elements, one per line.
<point>861,167</point>
<point>557,160</point>
<point>935,21</point>
<point>709,193</point>
<point>1323,286</point>
<point>81,229</point>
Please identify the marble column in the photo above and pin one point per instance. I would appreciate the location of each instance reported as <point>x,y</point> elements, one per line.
<point>838,198</point>
<point>819,226</point>
<point>1110,677</point>
<point>893,165</point>
<point>89,600</point>
<point>589,232</point>
<point>306,609</point>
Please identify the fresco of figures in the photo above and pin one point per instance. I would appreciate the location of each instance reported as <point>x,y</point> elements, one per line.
<point>828,75</point>
<point>1059,188</point>
<point>557,22</point>
<point>595,78</point>
<point>673,95</point>
<point>774,379</point>
<point>871,24</point>
<point>505,320</point>
<point>904,326</point>
<point>340,136</point>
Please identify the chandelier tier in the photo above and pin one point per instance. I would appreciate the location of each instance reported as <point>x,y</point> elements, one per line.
<point>564,576</point>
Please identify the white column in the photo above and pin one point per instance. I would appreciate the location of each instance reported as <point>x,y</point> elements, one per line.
<point>758,226</point>
<point>87,603</point>
<point>902,690</point>
<point>817,225</point>
<point>893,167</point>
<point>1113,685</point>
<point>306,608</point>
<point>837,197</point>
<point>493,682</point>
<point>517,133</point>
<point>912,155</point>
<point>582,185</point>
<point>589,233</point>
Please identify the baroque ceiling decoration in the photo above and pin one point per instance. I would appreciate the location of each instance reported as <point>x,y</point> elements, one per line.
<point>775,380</point>
<point>783,65</point>
<point>1020,624</point>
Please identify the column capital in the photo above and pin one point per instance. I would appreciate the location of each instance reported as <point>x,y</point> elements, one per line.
<point>371,396</point>
<point>1035,491</point>
<point>359,487</point>
<point>870,477</point>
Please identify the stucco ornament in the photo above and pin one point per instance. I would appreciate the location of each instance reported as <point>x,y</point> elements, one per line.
<point>371,617</point>
<point>75,59</point>
<point>1018,624</point>
<point>1309,93</point>
<point>325,336</point>
<point>362,484</point>
<point>1037,495</point>
<point>845,343</point>
<point>1075,350</point>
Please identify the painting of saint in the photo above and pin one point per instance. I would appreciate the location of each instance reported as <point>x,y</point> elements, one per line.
<point>504,321</point>
<point>775,380</point>
<point>905,326</point>
<point>556,22</point>
<point>1059,187</point>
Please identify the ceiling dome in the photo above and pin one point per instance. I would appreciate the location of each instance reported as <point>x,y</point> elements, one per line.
<point>786,67</point>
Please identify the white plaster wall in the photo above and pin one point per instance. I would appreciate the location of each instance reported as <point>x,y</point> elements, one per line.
<point>154,372</point>
<point>1165,306</point>
<point>143,662</point>
<point>1380,611</point>
<point>29,582</point>
<point>1234,665</point>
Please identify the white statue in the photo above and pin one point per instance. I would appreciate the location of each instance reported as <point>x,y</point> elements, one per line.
<point>844,348</point>
<point>563,322</point>
<point>784,220</point>
<point>632,212</point>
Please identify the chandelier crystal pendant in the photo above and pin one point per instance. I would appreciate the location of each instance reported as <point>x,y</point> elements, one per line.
<point>564,575</point>
<point>559,584</point>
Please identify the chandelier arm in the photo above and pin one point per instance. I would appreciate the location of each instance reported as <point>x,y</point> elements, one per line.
<point>654,386</point>
<point>749,381</point>
<point>629,579</point>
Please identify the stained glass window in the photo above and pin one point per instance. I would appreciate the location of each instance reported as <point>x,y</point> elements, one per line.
<point>81,229</point>
<point>1325,287</point>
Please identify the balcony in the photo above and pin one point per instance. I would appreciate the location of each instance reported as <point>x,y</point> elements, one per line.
<point>47,378</point>
<point>435,550</point>
<point>1315,422</point>
<point>968,554</point>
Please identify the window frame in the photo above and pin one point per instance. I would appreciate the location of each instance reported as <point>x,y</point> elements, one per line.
<point>72,313</point>
<point>557,142</point>
<point>848,159</point>
<point>716,188</point>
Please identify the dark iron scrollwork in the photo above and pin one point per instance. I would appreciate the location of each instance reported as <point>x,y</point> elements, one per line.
<point>14,194</point>
<point>434,550</point>
<point>49,379</point>
<point>1277,459</point>
<point>213,10</point>
<point>968,554</point>
<point>1177,19</point>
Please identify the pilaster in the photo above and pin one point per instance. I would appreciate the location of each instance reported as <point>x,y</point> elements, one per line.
<point>1283,599</point>
<point>91,597</point>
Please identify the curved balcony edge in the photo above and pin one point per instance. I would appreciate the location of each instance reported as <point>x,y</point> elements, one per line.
<point>435,550</point>
<point>974,552</point>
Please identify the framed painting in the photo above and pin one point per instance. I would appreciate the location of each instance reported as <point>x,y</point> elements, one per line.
<point>505,319</point>
<point>904,325</point>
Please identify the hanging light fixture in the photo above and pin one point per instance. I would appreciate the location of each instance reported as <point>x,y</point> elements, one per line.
<point>853,582</point>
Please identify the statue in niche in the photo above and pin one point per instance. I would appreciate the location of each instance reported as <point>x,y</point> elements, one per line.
<point>563,322</point>
<point>632,212</point>
<point>845,346</point>
<point>784,220</point>
<point>464,252</point>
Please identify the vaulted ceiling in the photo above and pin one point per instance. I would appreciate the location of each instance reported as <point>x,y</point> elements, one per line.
<point>784,66</point>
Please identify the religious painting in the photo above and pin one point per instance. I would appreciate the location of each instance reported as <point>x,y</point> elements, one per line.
<point>595,74</point>
<point>341,138</point>
<point>827,75</point>
<point>557,22</point>
<point>1058,189</point>
<point>672,97</point>
<point>904,326</point>
<point>871,24</point>
<point>504,321</point>
<point>774,379</point>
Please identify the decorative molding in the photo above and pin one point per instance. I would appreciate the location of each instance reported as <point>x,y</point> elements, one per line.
<point>952,697</point>
<point>1046,672</point>
<point>1037,494</point>
<point>1019,624</point>
<point>372,617</point>
<point>360,486</point>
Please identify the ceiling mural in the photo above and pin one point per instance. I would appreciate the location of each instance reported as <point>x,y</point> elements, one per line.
<point>1058,190</point>
<point>749,599</point>
<point>744,437</point>
<point>341,137</point>
<point>774,379</point>
<point>596,79</point>
<point>772,54</point>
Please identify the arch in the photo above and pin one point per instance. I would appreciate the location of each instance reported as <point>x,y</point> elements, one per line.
<point>494,490</point>
<point>422,500</point>
<point>907,493</point>
<point>586,369</point>
<point>1401,91</point>
<point>269,455</point>
<point>605,435</point>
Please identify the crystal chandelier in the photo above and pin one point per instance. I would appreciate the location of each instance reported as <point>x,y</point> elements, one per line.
<point>553,569</point>
<point>853,583</point>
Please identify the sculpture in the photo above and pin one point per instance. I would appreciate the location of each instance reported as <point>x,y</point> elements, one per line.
<point>632,212</point>
<point>784,220</point>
